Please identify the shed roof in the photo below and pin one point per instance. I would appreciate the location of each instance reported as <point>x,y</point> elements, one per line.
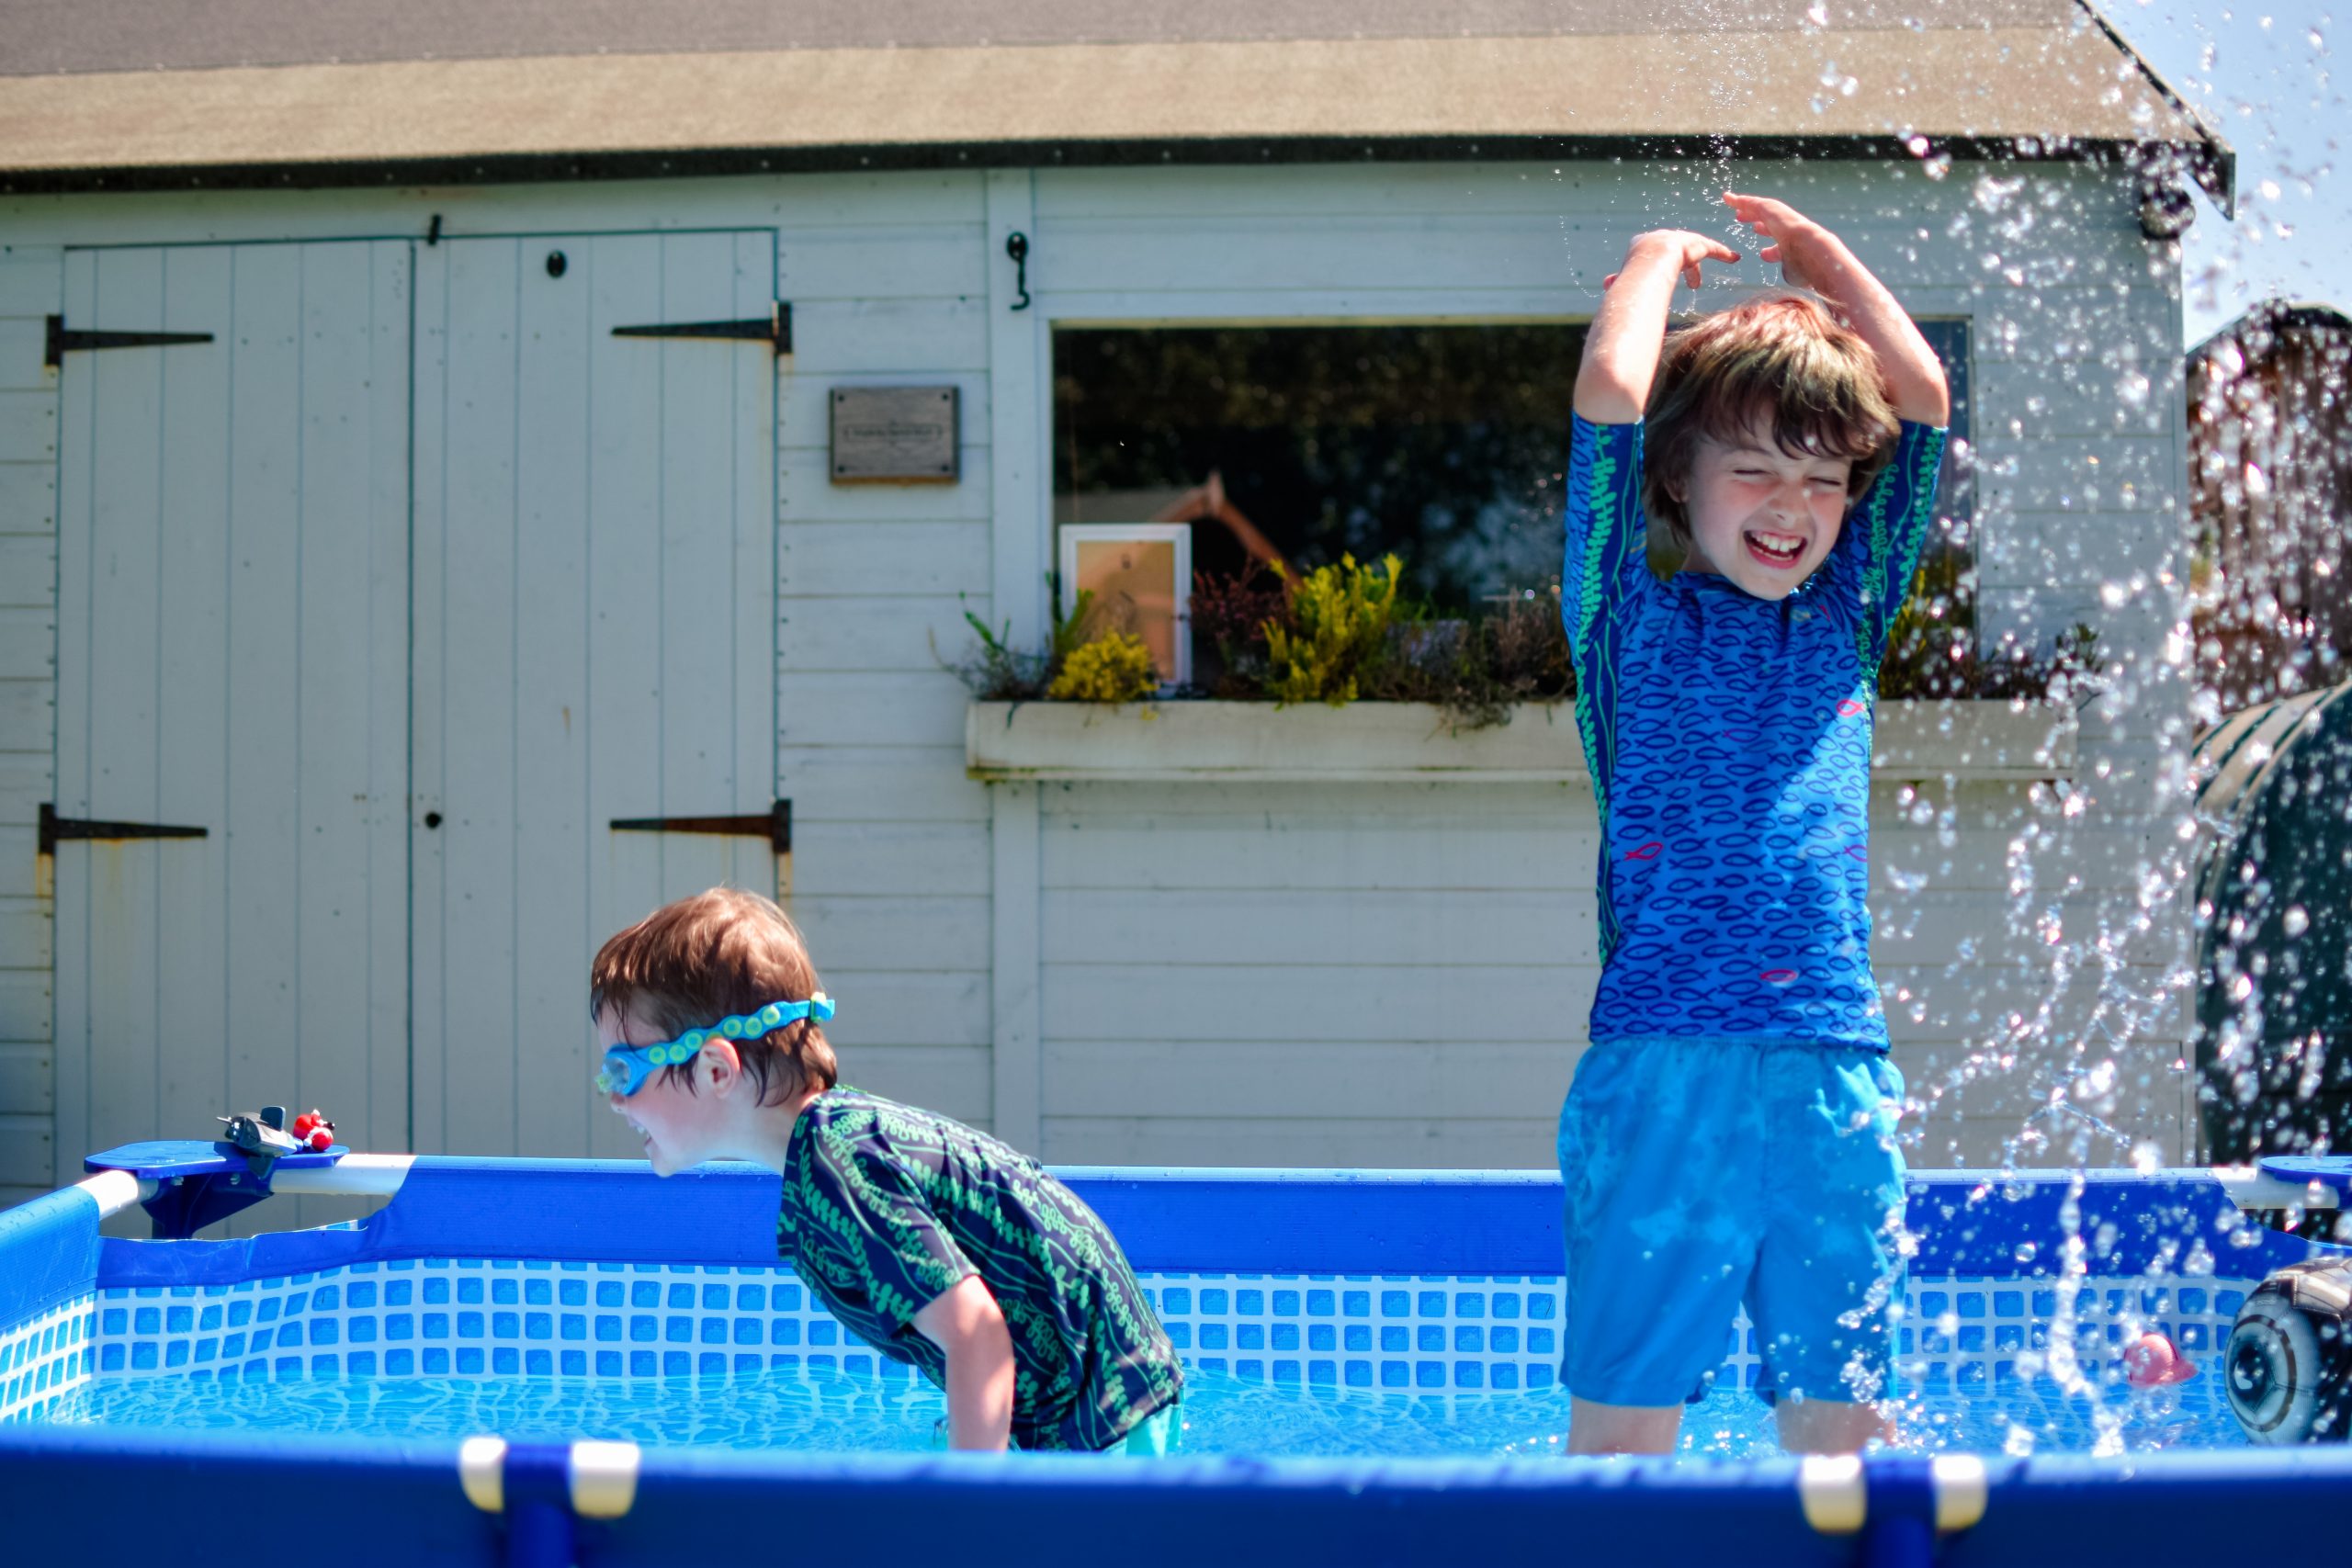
<point>178,92</point>
<point>2259,327</point>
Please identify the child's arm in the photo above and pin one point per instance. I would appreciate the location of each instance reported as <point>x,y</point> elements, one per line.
<point>965,1322</point>
<point>1621,349</point>
<point>1812,257</point>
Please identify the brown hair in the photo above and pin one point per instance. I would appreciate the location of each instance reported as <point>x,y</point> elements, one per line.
<point>1785,353</point>
<point>715,955</point>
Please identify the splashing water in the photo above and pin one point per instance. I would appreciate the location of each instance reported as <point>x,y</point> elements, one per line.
<point>2065,1022</point>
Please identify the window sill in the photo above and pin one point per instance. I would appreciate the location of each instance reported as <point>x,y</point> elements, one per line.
<point>1392,742</point>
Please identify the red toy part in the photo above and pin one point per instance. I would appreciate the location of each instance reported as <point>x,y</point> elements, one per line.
<point>305,1122</point>
<point>321,1139</point>
<point>2151,1362</point>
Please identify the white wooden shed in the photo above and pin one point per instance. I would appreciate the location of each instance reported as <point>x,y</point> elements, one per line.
<point>459,496</point>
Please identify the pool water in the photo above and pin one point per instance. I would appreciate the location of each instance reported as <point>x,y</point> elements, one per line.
<point>824,1409</point>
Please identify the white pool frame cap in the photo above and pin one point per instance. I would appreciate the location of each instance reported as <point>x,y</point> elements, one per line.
<point>1962,1490</point>
<point>2250,1188</point>
<point>603,1475</point>
<point>603,1479</point>
<point>1830,1487</point>
<point>1834,1490</point>
<point>353,1175</point>
<point>113,1191</point>
<point>481,1470</point>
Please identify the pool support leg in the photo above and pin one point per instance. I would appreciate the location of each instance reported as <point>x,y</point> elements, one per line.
<point>1902,1507</point>
<point>529,1486</point>
<point>537,1487</point>
<point>1900,1529</point>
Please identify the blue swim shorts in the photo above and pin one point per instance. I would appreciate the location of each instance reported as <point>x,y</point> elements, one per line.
<point>1703,1173</point>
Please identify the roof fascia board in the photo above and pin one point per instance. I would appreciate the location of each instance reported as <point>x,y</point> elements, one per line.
<point>2216,168</point>
<point>1250,152</point>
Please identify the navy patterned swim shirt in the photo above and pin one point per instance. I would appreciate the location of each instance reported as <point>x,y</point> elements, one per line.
<point>1729,739</point>
<point>886,1206</point>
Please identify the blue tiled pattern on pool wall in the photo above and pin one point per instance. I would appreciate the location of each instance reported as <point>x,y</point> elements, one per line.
<point>43,1357</point>
<point>1969,1335</point>
<point>1367,1331</point>
<point>470,1318</point>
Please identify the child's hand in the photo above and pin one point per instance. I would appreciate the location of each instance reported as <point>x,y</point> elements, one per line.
<point>1812,257</point>
<point>1807,252</point>
<point>1684,249</point>
<point>1621,349</point>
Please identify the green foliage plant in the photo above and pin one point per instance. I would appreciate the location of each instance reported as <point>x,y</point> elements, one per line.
<point>1476,670</point>
<point>1337,631</point>
<point>996,671</point>
<point>1114,668</point>
<point>1932,653</point>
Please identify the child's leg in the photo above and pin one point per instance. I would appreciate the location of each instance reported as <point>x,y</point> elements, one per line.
<point>1622,1428</point>
<point>1660,1142</point>
<point>1831,1269</point>
<point>1825,1426</point>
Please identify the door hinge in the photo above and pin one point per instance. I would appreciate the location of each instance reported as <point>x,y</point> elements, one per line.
<point>774,328</point>
<point>55,829</point>
<point>64,340</point>
<point>775,825</point>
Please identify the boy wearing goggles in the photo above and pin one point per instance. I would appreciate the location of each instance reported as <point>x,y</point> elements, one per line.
<point>933,1242</point>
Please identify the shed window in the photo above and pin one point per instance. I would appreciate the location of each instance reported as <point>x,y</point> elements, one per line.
<point>1445,443</point>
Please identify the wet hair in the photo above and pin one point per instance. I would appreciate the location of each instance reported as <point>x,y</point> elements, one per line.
<point>715,955</point>
<point>1782,355</point>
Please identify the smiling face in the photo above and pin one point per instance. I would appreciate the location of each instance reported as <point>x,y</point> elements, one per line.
<point>679,1128</point>
<point>1758,515</point>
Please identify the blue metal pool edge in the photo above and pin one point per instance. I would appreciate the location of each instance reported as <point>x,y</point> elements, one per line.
<point>108,1494</point>
<point>1342,1222</point>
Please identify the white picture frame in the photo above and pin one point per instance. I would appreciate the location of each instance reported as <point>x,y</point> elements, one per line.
<point>1142,577</point>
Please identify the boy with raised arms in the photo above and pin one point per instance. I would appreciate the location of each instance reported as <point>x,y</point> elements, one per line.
<point>1730,1134</point>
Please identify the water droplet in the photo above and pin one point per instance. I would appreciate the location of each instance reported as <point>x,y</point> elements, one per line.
<point>2297,920</point>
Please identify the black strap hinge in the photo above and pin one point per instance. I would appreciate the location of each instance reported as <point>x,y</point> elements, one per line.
<point>775,825</point>
<point>64,340</point>
<point>55,829</point>
<point>774,328</point>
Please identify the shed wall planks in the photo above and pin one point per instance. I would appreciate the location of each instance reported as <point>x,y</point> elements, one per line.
<point>595,638</point>
<point>1151,925</point>
<point>233,630</point>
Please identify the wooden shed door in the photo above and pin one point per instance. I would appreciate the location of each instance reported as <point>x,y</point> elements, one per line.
<point>594,641</point>
<point>233,659</point>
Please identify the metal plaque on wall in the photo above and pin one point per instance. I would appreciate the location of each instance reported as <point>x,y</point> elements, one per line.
<point>894,436</point>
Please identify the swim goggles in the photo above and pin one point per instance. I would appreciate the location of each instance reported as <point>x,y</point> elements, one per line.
<point>628,1066</point>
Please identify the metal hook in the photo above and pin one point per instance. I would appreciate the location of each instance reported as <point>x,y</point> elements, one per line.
<point>1016,245</point>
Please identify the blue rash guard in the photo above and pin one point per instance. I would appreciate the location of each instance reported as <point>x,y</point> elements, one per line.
<point>1729,739</point>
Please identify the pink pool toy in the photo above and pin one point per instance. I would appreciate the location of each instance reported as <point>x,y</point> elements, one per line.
<point>2151,1362</point>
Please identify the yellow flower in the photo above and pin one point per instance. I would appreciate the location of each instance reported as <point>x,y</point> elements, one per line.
<point>1115,668</point>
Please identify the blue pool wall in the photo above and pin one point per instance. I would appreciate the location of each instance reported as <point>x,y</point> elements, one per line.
<point>1414,1242</point>
<point>1431,1283</point>
<point>387,1504</point>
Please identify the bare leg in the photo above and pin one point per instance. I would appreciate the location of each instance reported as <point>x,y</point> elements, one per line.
<point>1622,1428</point>
<point>1825,1426</point>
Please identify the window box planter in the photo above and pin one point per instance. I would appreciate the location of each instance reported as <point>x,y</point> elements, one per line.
<point>1375,742</point>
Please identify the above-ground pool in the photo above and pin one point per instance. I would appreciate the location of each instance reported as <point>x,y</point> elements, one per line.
<point>554,1361</point>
